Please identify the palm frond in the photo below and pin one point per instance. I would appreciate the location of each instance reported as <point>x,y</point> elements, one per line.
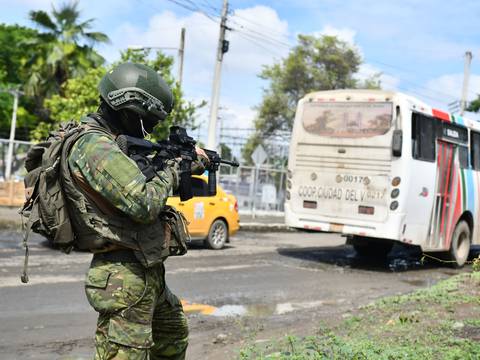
<point>42,19</point>
<point>98,37</point>
<point>87,24</point>
<point>67,14</point>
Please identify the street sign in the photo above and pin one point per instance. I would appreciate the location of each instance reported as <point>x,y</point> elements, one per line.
<point>259,155</point>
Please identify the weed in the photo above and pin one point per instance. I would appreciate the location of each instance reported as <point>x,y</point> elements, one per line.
<point>422,325</point>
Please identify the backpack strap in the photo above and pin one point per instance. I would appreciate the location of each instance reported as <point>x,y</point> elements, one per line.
<point>27,229</point>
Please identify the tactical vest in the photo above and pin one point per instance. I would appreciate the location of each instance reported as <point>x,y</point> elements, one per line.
<point>95,230</point>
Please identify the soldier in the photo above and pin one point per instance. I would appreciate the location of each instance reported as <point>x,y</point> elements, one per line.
<point>115,214</point>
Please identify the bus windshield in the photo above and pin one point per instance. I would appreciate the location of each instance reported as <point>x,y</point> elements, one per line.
<point>347,119</point>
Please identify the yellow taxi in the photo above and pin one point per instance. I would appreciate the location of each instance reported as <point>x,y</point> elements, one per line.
<point>211,218</point>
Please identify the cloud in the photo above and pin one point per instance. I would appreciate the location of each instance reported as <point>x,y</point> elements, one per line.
<point>251,45</point>
<point>451,84</point>
<point>387,81</point>
<point>345,34</point>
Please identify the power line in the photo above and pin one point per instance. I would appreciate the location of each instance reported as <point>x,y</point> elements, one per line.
<point>269,29</point>
<point>260,36</point>
<point>258,43</point>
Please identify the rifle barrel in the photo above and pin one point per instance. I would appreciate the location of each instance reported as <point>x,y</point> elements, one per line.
<point>231,163</point>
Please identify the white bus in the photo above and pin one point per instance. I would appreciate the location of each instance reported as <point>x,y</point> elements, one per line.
<point>381,167</point>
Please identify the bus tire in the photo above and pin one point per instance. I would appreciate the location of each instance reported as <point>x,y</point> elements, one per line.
<point>217,235</point>
<point>460,246</point>
<point>366,248</point>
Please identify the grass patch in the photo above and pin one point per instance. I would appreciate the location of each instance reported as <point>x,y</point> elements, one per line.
<point>440,322</point>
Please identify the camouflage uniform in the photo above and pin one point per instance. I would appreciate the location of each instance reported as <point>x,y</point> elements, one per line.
<point>139,318</point>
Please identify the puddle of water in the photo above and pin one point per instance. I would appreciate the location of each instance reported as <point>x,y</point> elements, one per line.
<point>415,282</point>
<point>403,264</point>
<point>255,310</point>
<point>230,310</point>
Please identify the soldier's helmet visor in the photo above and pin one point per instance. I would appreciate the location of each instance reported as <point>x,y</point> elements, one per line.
<point>133,97</point>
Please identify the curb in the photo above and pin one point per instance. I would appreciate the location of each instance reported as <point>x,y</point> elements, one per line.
<point>11,224</point>
<point>257,226</point>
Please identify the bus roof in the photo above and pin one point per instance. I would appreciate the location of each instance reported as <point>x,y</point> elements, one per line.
<point>385,95</point>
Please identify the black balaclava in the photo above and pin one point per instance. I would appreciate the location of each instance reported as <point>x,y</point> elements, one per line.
<point>127,121</point>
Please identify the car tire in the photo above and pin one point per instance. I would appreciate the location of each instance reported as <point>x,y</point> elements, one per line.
<point>460,246</point>
<point>217,235</point>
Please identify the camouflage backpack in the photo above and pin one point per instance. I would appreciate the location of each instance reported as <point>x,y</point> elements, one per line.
<point>45,207</point>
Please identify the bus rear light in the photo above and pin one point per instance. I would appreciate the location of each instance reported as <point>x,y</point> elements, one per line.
<point>309,204</point>
<point>396,181</point>
<point>287,195</point>
<point>395,193</point>
<point>289,184</point>
<point>236,206</point>
<point>394,205</point>
<point>367,210</point>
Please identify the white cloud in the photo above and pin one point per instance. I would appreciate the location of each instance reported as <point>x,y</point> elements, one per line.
<point>259,38</point>
<point>451,84</point>
<point>345,34</point>
<point>251,45</point>
<point>387,82</point>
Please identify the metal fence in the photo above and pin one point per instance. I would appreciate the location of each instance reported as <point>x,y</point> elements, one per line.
<point>258,189</point>
<point>20,149</point>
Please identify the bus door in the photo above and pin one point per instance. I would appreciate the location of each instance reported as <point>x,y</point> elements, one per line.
<point>444,199</point>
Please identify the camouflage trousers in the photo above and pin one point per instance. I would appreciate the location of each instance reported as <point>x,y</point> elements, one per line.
<point>139,318</point>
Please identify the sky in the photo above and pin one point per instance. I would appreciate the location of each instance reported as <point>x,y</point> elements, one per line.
<point>418,45</point>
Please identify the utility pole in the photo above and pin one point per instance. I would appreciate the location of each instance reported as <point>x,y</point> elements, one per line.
<point>8,171</point>
<point>222,48</point>
<point>466,78</point>
<point>181,53</point>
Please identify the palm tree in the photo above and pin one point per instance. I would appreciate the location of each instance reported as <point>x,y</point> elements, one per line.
<point>64,49</point>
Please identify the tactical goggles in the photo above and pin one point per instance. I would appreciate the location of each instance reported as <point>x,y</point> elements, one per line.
<point>132,96</point>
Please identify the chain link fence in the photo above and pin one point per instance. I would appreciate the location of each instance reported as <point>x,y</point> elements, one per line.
<point>259,190</point>
<point>20,149</point>
<point>12,192</point>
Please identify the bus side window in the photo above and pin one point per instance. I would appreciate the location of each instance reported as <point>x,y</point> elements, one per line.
<point>463,156</point>
<point>475,149</point>
<point>423,137</point>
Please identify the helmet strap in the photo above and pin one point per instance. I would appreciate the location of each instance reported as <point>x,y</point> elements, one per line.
<point>144,132</point>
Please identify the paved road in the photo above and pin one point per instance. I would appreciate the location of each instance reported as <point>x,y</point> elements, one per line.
<point>263,284</point>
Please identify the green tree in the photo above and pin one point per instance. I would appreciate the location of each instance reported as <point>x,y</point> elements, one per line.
<point>13,75</point>
<point>80,96</point>
<point>184,111</point>
<point>315,64</point>
<point>474,106</point>
<point>63,50</point>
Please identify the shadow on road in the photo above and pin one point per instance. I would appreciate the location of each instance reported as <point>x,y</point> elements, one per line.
<point>401,258</point>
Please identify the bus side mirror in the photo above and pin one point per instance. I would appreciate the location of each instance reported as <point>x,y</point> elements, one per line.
<point>397,143</point>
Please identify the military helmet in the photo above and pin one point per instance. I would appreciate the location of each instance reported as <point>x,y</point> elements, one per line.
<point>138,88</point>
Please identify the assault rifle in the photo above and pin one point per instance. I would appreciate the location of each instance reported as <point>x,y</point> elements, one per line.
<point>153,156</point>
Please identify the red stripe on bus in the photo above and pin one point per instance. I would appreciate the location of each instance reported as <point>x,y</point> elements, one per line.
<point>441,115</point>
<point>446,194</point>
